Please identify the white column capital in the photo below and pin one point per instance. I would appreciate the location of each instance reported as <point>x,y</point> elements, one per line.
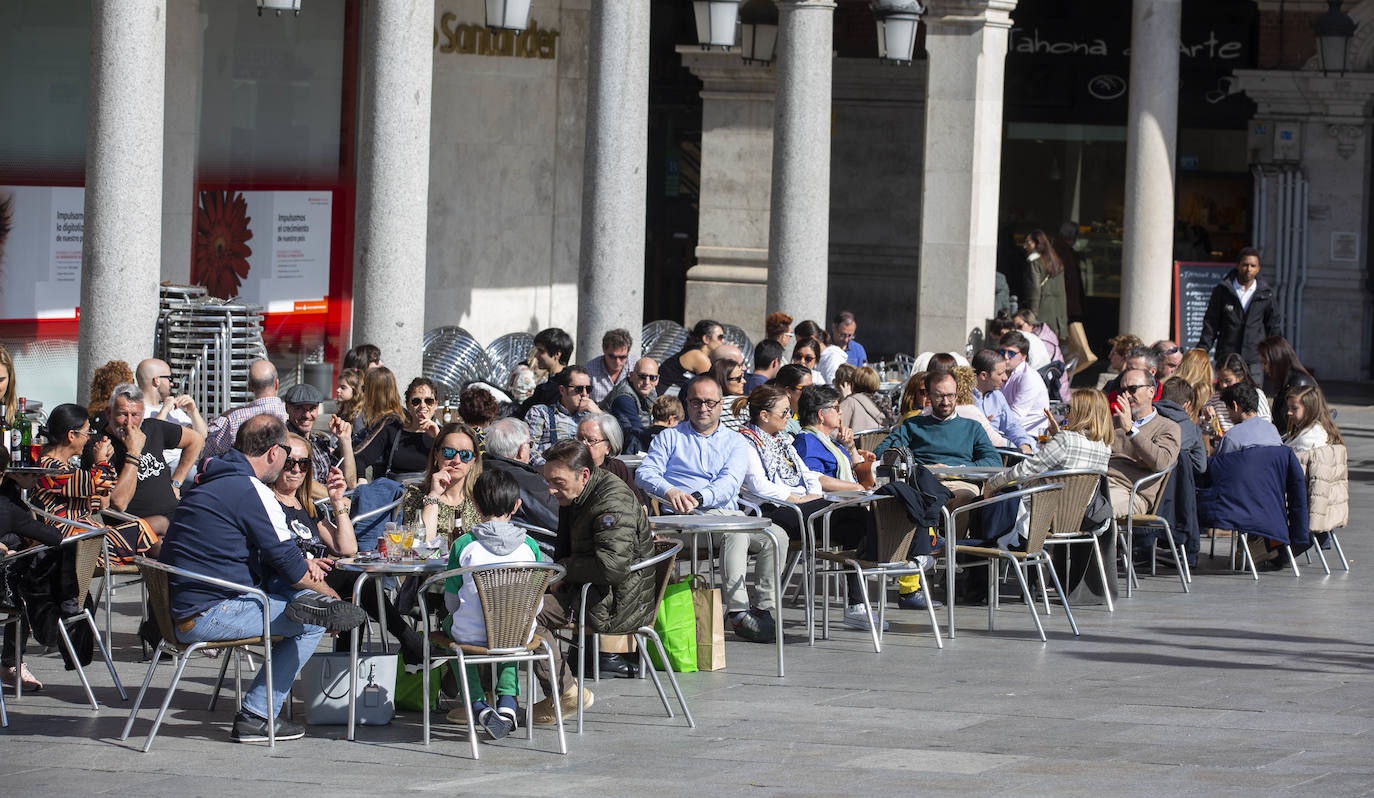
<point>1282,93</point>
<point>970,13</point>
<point>725,76</point>
<point>807,5</point>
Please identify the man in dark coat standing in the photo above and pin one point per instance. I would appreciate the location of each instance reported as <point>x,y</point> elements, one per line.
<point>1242,312</point>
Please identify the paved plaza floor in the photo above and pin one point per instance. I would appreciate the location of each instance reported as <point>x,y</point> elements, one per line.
<point>1240,688</point>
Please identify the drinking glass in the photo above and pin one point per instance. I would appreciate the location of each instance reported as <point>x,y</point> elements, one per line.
<point>408,540</point>
<point>393,540</point>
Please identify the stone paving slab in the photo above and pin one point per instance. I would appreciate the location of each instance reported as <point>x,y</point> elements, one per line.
<point>1240,688</point>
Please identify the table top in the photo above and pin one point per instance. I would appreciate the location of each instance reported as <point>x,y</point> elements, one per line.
<point>968,473</point>
<point>380,566</point>
<point>34,471</point>
<point>708,523</point>
<point>846,495</point>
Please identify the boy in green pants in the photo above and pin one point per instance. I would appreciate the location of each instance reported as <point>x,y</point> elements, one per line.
<point>495,541</point>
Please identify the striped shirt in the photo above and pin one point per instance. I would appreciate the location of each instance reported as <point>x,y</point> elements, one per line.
<point>1067,451</point>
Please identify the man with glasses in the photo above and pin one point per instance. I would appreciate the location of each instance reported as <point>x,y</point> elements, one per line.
<point>1144,442</point>
<point>632,404</point>
<point>302,409</point>
<point>1027,396</point>
<point>608,371</point>
<point>154,378</point>
<point>557,421</point>
<point>1169,356</point>
<point>231,527</point>
<point>842,329</point>
<point>700,464</point>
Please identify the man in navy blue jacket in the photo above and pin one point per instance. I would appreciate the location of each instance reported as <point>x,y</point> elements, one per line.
<point>230,526</point>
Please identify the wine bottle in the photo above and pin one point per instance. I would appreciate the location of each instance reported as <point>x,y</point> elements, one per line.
<point>25,434</point>
<point>5,433</point>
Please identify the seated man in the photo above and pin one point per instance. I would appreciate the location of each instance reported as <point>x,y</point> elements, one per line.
<point>767,360</point>
<point>1179,505</point>
<point>232,527</point>
<point>602,532</point>
<point>632,404</point>
<point>700,463</point>
<point>608,371</point>
<point>1144,443</point>
<point>146,487</point>
<point>552,353</point>
<point>1025,391</point>
<point>989,375</point>
<point>1247,428</point>
<point>302,408</point>
<point>223,431</point>
<point>508,448</point>
<point>557,421</point>
<point>155,380</point>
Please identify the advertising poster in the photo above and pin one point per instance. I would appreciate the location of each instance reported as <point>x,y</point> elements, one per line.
<point>268,248</point>
<point>40,251</point>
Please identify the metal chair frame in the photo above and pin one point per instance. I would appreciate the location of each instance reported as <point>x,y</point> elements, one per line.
<point>14,616</point>
<point>1147,519</point>
<point>181,653</point>
<point>1074,535</point>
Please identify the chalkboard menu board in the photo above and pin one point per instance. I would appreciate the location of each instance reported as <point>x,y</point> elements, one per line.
<point>1193,284</point>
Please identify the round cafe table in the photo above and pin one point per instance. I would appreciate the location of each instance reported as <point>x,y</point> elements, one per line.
<point>369,568</point>
<point>732,524</point>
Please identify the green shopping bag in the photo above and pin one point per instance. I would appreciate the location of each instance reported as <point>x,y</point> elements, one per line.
<point>676,625</point>
<point>410,686</point>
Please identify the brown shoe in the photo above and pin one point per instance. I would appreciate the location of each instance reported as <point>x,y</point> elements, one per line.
<point>543,711</point>
<point>458,716</point>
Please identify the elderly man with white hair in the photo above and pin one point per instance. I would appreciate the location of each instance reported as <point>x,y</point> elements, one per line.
<point>508,448</point>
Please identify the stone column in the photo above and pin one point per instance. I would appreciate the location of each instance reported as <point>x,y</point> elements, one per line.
<point>799,212</point>
<point>393,182</point>
<point>181,123</point>
<point>122,243</point>
<point>610,286</point>
<point>966,41</point>
<point>1151,136</point>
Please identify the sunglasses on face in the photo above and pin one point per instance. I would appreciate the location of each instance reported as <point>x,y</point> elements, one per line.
<point>463,455</point>
<point>292,463</point>
<point>740,378</point>
<point>1173,350</point>
<point>1009,353</point>
<point>416,401</point>
<point>1134,388</point>
<point>579,388</point>
<point>647,377</point>
<point>805,359</point>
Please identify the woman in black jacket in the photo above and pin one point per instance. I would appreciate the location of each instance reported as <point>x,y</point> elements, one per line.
<point>19,531</point>
<point>1282,366</point>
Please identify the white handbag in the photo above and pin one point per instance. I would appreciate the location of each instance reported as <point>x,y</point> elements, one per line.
<point>324,687</point>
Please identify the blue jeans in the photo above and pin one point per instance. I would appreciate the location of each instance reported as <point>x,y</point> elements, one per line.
<point>237,618</point>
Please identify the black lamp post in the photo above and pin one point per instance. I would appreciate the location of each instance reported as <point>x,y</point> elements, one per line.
<point>1334,31</point>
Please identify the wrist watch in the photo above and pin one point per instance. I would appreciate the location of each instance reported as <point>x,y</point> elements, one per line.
<point>176,483</point>
<point>696,494</point>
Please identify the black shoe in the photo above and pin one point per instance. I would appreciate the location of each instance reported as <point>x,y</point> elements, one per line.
<point>618,665</point>
<point>495,724</point>
<point>249,728</point>
<point>317,609</point>
<point>751,627</point>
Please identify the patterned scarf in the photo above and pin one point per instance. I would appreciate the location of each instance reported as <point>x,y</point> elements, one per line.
<point>843,468</point>
<point>777,461</point>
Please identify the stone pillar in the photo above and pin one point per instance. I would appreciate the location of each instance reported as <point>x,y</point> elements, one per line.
<point>966,41</point>
<point>393,182</point>
<point>181,123</point>
<point>1151,137</point>
<point>610,285</point>
<point>799,213</point>
<point>122,242</point>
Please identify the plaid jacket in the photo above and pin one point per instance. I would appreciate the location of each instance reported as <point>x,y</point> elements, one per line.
<point>1067,451</point>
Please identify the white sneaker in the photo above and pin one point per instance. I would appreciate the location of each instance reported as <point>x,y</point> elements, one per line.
<point>856,616</point>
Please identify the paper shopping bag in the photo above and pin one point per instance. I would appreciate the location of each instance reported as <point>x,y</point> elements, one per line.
<point>710,621</point>
<point>676,627</point>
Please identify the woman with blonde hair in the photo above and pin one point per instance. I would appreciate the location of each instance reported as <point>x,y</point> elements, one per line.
<point>865,408</point>
<point>914,396</point>
<point>7,388</point>
<point>1196,369</point>
<point>442,501</point>
<point>1083,443</point>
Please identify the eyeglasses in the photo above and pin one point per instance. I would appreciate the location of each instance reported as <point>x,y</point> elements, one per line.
<point>292,463</point>
<point>625,356</point>
<point>942,397</point>
<point>1173,350</point>
<point>167,377</point>
<point>591,441</point>
<point>86,432</point>
<point>740,378</point>
<point>646,377</point>
<point>579,388</point>
<point>709,404</point>
<point>1009,353</point>
<point>416,401</point>
<point>835,408</point>
<point>463,455</point>
<point>1134,388</point>
<point>285,448</point>
<point>804,359</point>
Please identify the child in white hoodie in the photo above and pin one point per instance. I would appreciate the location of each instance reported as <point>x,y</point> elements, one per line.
<point>494,541</point>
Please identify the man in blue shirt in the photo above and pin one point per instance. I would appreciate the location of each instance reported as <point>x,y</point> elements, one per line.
<point>990,374</point>
<point>700,464</point>
<point>842,329</point>
<point>1248,429</point>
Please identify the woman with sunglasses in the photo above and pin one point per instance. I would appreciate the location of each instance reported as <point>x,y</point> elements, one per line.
<point>693,359</point>
<point>442,501</point>
<point>807,353</point>
<point>730,377</point>
<point>401,450</point>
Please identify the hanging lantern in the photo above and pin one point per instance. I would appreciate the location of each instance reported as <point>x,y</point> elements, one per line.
<point>508,14</point>
<point>1334,30</point>
<point>280,6</point>
<point>898,21</point>
<point>758,31</point>
<point>716,22</point>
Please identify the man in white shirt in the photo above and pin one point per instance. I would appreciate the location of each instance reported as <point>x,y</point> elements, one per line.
<point>155,380</point>
<point>1025,391</point>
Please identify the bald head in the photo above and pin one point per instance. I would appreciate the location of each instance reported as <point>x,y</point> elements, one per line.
<point>260,439</point>
<point>727,351</point>
<point>644,376</point>
<point>154,378</point>
<point>262,378</point>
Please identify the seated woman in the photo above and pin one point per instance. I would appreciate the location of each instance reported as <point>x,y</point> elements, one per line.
<point>807,353</point>
<point>379,419</point>
<point>825,445</point>
<point>1282,366</point>
<point>693,359</point>
<point>1309,420</point>
<point>478,408</point>
<point>76,493</point>
<point>778,326</point>
<point>1321,451</point>
<point>19,531</point>
<point>442,500</point>
<point>776,471</point>
<point>401,450</point>
<point>914,398</point>
<point>1232,371</point>
<point>605,439</point>
<point>730,377</point>
<point>318,537</point>
<point>792,379</point>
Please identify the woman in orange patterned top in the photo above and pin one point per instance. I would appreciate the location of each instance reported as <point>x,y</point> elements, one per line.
<point>78,493</point>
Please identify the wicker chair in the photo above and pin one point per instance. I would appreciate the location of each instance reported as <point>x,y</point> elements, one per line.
<point>663,562</point>
<point>510,596</point>
<point>160,601</point>
<point>895,533</point>
<point>1045,498</point>
<point>1066,526</point>
<point>1127,524</point>
<point>868,439</point>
